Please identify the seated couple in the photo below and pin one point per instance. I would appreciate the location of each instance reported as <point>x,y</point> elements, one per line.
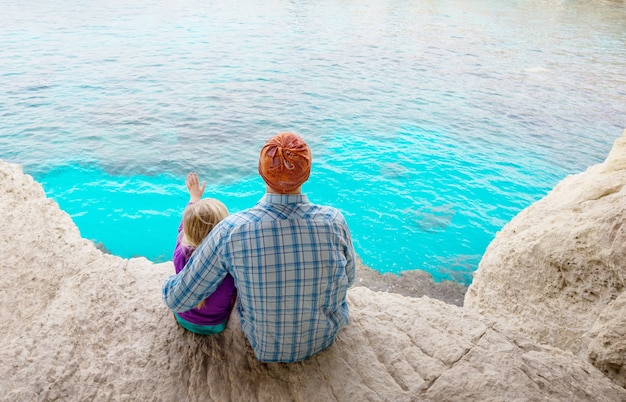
<point>285,264</point>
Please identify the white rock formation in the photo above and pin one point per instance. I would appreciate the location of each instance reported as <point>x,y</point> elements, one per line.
<point>605,343</point>
<point>557,271</point>
<point>81,325</point>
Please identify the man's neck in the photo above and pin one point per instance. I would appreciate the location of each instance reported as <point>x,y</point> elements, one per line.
<point>271,190</point>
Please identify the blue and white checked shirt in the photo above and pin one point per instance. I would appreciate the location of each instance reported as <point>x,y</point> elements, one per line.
<point>292,262</point>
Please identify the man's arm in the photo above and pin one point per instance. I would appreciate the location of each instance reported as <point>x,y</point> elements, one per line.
<point>198,280</point>
<point>350,261</point>
<point>348,251</point>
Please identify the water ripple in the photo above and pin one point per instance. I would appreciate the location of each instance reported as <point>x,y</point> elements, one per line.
<point>431,124</point>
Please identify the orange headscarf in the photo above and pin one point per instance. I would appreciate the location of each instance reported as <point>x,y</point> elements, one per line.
<point>285,162</point>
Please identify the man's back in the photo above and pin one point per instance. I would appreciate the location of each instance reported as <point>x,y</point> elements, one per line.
<point>292,262</point>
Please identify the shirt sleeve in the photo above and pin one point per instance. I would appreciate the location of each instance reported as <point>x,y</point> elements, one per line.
<point>350,257</point>
<point>181,252</point>
<point>202,275</point>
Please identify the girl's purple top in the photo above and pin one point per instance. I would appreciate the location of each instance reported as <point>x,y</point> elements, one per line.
<point>216,307</point>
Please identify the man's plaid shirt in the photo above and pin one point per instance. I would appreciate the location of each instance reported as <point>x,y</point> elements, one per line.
<point>292,262</point>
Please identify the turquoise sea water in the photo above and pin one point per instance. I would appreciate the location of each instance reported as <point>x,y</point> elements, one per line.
<point>431,123</point>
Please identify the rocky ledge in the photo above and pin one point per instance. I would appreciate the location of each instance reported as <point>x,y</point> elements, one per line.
<point>542,320</point>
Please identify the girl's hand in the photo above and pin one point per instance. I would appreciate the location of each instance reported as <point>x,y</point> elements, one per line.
<point>195,189</point>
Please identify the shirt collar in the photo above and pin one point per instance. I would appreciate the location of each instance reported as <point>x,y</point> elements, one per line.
<point>270,198</point>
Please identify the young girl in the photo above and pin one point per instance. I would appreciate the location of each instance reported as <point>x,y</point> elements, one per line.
<point>200,216</point>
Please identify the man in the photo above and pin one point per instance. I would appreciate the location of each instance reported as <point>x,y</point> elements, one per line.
<point>292,262</point>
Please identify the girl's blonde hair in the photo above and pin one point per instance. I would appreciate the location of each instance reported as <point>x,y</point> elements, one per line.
<point>200,218</point>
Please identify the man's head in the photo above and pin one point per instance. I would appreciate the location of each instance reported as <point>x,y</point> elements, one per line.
<point>285,162</point>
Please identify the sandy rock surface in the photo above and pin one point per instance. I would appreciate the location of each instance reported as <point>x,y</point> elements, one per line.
<point>605,343</point>
<point>79,325</point>
<point>557,270</point>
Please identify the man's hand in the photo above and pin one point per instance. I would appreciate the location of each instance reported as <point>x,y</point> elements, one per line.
<point>195,189</point>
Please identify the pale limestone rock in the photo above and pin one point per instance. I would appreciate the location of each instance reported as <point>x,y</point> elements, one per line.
<point>80,325</point>
<point>556,266</point>
<point>605,344</point>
